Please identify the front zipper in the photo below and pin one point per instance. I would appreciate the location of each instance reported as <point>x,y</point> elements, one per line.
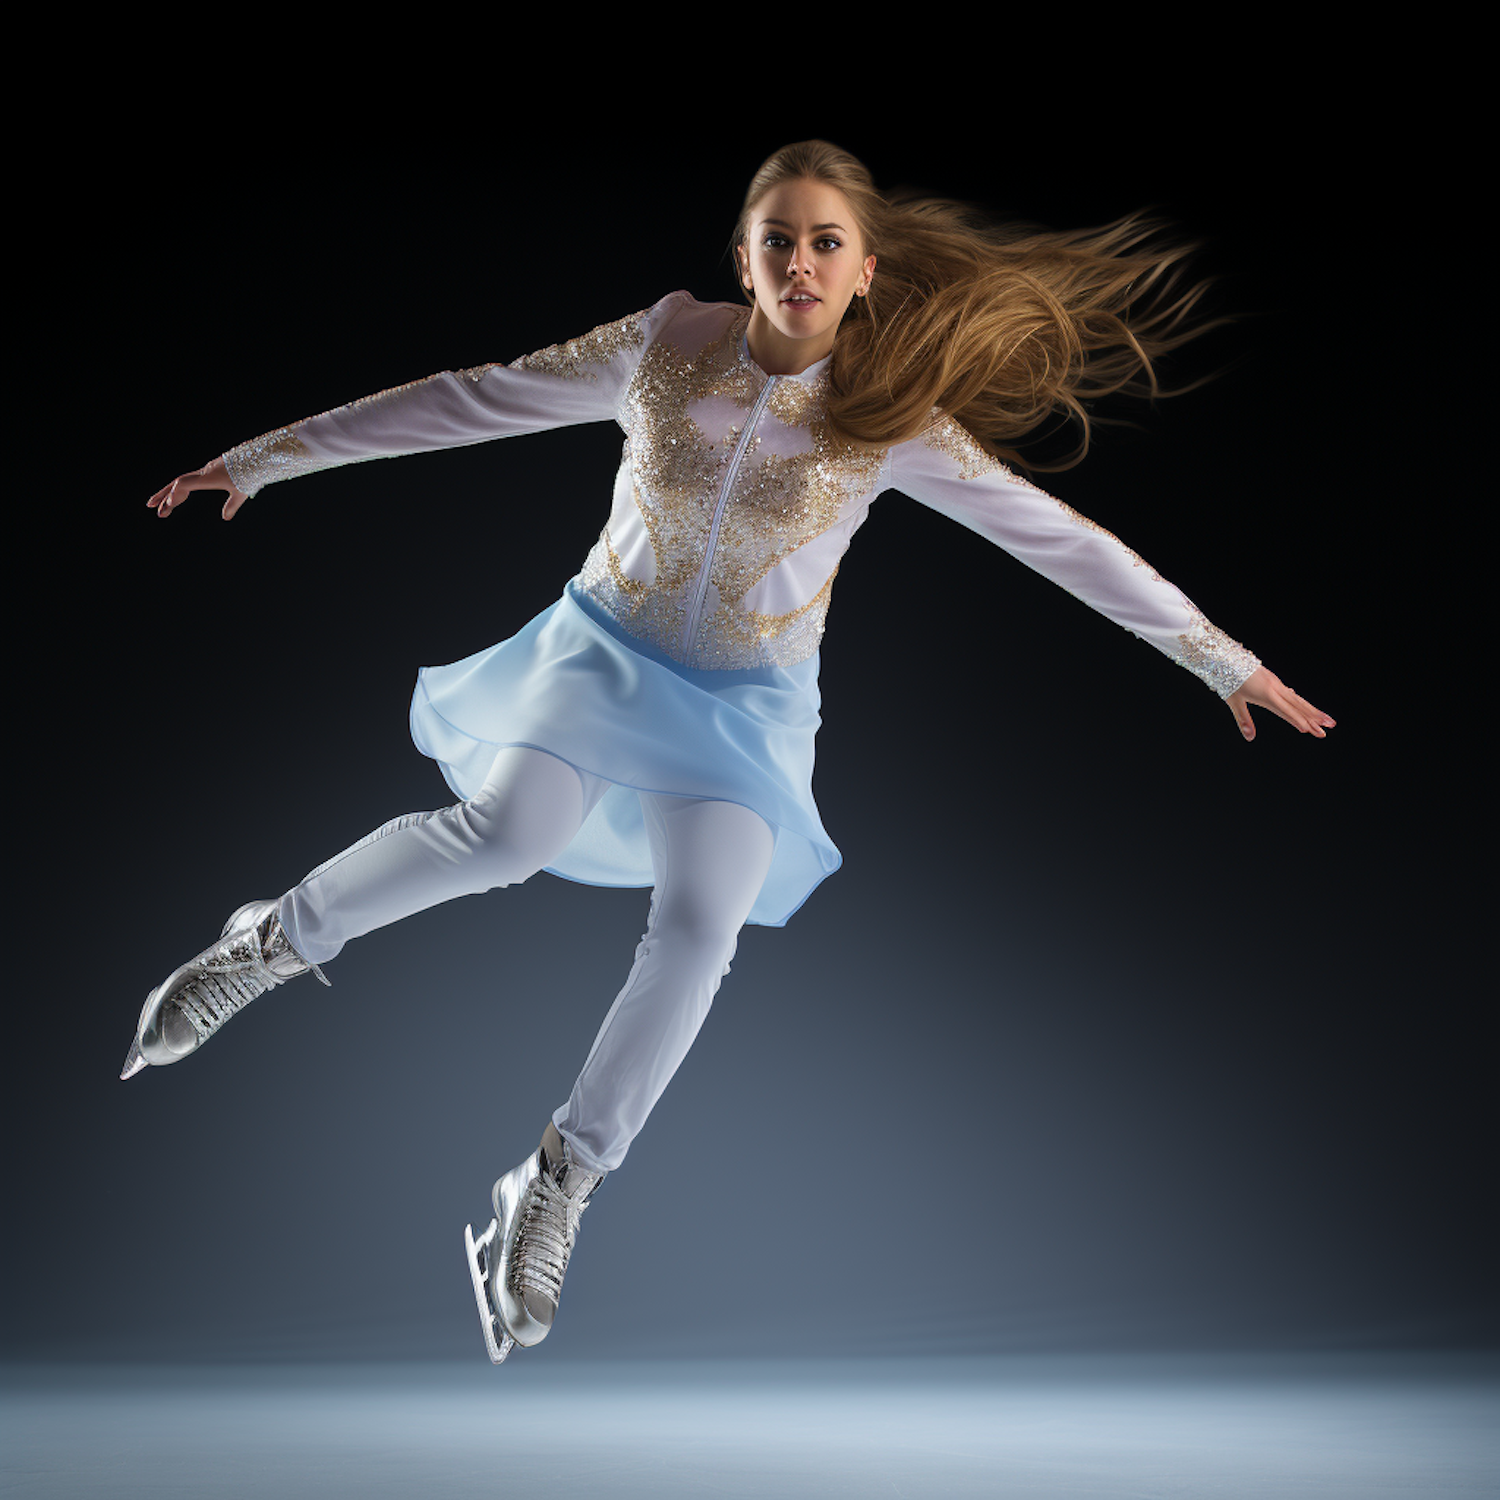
<point>700,588</point>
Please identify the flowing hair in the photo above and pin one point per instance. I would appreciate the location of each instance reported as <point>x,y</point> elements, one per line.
<point>1001,325</point>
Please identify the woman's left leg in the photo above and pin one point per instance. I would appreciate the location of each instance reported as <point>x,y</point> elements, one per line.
<point>710,859</point>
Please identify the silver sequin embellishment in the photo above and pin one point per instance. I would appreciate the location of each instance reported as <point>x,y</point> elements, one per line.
<point>579,358</point>
<point>273,455</point>
<point>282,454</point>
<point>1218,659</point>
<point>778,503</point>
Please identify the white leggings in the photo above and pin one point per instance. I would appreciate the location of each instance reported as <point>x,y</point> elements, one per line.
<point>709,858</point>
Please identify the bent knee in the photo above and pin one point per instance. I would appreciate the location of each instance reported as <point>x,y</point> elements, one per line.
<point>502,850</point>
<point>703,942</point>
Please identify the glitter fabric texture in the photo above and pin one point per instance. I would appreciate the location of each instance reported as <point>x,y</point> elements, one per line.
<point>685,414</point>
<point>275,455</point>
<point>1218,659</point>
<point>283,455</point>
<point>734,502</point>
<point>581,358</point>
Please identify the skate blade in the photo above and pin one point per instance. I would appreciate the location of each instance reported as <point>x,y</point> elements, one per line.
<point>134,1062</point>
<point>479,1262</point>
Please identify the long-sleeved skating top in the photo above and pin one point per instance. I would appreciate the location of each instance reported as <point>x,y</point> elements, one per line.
<point>733,502</point>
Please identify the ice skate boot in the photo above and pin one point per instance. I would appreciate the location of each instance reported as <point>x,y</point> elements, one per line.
<point>517,1264</point>
<point>253,954</point>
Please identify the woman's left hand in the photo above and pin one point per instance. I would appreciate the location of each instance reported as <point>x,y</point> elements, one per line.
<point>1263,686</point>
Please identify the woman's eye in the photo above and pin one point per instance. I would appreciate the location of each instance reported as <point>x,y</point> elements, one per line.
<point>772,240</point>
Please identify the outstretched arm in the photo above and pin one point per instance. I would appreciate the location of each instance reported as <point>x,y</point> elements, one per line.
<point>945,469</point>
<point>582,380</point>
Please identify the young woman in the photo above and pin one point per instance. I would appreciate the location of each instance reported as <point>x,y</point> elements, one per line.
<point>655,724</point>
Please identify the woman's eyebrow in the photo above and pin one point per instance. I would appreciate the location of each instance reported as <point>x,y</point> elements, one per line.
<point>781,223</point>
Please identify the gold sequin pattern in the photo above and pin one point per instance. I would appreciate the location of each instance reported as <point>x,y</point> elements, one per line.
<point>949,437</point>
<point>743,638</point>
<point>274,455</point>
<point>777,503</point>
<point>782,503</point>
<point>1207,652</point>
<point>798,403</point>
<point>579,358</point>
<point>283,455</point>
<point>635,589</point>
<point>381,398</point>
<point>677,473</point>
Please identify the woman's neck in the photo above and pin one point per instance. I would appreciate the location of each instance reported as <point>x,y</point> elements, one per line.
<point>777,354</point>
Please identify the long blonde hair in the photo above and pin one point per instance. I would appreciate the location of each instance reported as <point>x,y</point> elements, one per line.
<point>1001,325</point>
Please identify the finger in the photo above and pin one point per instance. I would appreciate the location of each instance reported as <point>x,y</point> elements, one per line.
<point>162,493</point>
<point>1241,711</point>
<point>232,504</point>
<point>1300,721</point>
<point>1314,715</point>
<point>1283,707</point>
<point>1302,714</point>
<point>178,491</point>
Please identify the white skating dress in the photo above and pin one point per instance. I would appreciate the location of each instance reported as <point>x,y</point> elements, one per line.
<point>683,656</point>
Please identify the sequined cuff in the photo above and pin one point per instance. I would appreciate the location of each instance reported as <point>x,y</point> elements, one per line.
<point>273,455</point>
<point>1218,659</point>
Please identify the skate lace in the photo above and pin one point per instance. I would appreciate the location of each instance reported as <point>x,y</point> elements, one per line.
<point>549,1226</point>
<point>209,1001</point>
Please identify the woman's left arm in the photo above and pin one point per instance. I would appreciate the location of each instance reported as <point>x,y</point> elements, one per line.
<point>946,470</point>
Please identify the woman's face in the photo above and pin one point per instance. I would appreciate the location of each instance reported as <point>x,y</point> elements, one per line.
<point>802,238</point>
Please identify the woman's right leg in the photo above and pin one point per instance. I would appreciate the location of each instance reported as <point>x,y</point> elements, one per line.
<point>519,821</point>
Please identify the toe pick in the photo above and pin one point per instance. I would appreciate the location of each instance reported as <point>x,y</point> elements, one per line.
<point>134,1061</point>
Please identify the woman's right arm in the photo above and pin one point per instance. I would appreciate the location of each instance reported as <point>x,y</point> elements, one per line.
<point>582,380</point>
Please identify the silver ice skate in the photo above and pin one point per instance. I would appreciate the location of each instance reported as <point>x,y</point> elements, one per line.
<point>253,954</point>
<point>517,1264</point>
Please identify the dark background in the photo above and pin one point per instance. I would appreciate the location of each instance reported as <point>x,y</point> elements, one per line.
<point>1113,1031</point>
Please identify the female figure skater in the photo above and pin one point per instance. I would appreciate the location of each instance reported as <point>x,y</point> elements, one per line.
<point>654,726</point>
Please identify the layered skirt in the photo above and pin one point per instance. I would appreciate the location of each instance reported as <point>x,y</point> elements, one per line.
<point>573,682</point>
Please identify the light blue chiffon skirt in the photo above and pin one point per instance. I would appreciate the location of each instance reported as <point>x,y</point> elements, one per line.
<point>575,683</point>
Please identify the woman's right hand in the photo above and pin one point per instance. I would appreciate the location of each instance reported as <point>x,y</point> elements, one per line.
<point>212,476</point>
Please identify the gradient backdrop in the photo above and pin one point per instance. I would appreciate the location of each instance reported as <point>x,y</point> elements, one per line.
<point>1113,1031</point>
